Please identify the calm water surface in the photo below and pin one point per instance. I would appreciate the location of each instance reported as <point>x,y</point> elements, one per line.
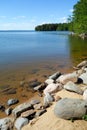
<point>39,50</point>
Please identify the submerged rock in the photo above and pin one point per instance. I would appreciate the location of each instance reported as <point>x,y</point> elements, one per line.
<point>70,108</point>
<point>12,102</point>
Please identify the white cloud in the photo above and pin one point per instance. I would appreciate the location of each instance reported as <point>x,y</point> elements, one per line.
<point>71,10</point>
<point>19,17</point>
<point>63,20</point>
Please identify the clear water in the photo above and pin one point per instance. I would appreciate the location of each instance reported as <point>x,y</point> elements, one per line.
<point>21,47</point>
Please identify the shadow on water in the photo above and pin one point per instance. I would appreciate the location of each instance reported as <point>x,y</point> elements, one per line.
<point>78,49</point>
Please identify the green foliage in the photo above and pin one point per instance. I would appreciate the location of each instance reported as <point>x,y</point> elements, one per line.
<point>80,17</point>
<point>53,27</point>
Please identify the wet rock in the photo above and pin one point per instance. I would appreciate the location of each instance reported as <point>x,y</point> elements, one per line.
<point>40,112</point>
<point>34,83</point>
<point>20,122</point>
<point>52,88</point>
<point>21,108</point>
<point>34,101</point>
<point>55,75</point>
<point>70,86</point>
<point>9,90</point>
<point>48,99</point>
<point>40,87</point>
<point>49,81</point>
<point>22,83</point>
<point>12,102</point>
<point>8,111</point>
<point>70,108</point>
<point>6,124</point>
<point>82,64</point>
<point>85,95</point>
<point>28,114</point>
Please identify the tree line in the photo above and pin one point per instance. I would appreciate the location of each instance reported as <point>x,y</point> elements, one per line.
<point>53,27</point>
<point>76,23</point>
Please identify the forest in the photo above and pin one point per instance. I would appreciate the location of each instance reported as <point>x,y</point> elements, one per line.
<point>76,23</point>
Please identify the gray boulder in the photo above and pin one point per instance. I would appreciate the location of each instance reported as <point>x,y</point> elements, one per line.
<point>70,108</point>
<point>20,122</point>
<point>70,86</point>
<point>12,102</point>
<point>21,108</point>
<point>6,124</point>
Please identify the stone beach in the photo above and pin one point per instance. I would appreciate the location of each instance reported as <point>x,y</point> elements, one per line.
<point>51,89</point>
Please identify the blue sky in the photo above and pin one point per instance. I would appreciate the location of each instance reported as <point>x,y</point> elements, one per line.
<point>26,14</point>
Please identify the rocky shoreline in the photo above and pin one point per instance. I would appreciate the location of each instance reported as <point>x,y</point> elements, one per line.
<point>65,108</point>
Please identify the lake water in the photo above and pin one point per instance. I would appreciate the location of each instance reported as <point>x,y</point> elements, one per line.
<point>31,50</point>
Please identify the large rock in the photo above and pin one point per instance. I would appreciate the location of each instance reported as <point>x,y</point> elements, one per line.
<point>52,88</point>
<point>20,122</point>
<point>6,124</point>
<point>84,77</point>
<point>70,86</point>
<point>70,108</point>
<point>55,75</point>
<point>12,102</point>
<point>68,77</point>
<point>85,95</point>
<point>49,81</point>
<point>21,108</point>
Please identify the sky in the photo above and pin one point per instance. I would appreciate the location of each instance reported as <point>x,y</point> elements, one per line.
<point>26,14</point>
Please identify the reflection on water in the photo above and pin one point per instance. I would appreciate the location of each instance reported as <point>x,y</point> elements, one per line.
<point>78,49</point>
